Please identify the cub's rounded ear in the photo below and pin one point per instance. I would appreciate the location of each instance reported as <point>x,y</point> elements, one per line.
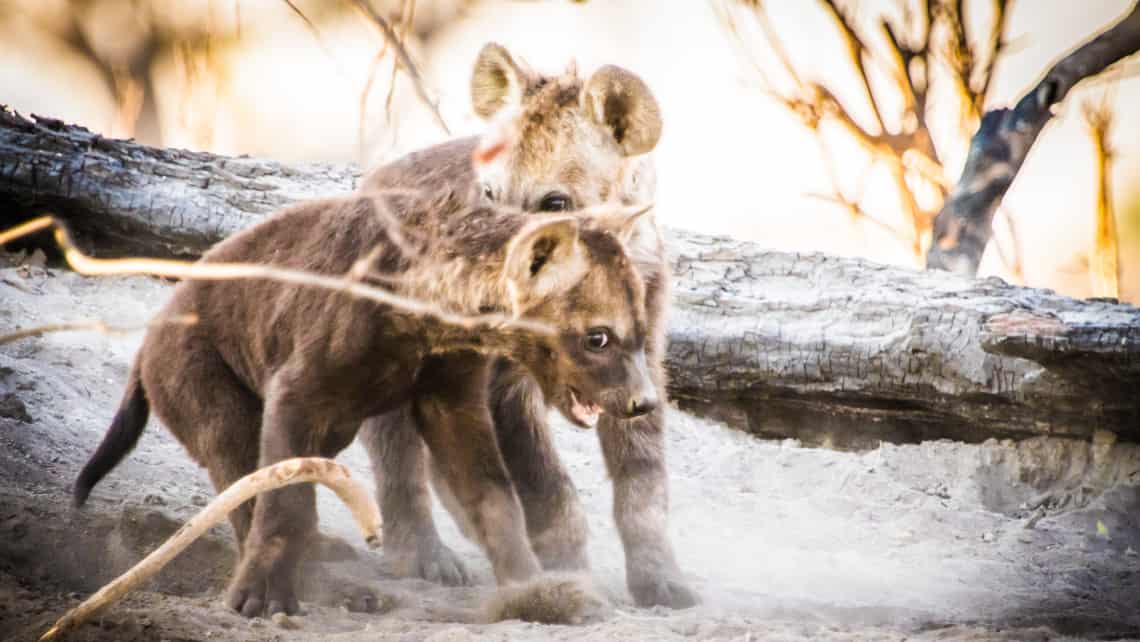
<point>544,259</point>
<point>620,102</point>
<point>497,81</point>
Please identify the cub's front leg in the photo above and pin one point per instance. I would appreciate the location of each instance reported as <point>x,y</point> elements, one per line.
<point>451,412</point>
<point>634,451</point>
<point>555,521</point>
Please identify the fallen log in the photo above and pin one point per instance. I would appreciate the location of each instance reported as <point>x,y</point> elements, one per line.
<point>833,351</point>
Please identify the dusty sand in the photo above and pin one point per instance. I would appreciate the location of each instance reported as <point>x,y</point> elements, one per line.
<point>937,541</point>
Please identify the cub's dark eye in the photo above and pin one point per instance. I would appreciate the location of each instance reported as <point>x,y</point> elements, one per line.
<point>554,202</point>
<point>487,194</point>
<point>597,339</point>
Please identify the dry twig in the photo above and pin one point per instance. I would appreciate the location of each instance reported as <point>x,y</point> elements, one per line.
<point>905,149</point>
<point>1104,256</point>
<point>312,27</point>
<point>93,325</point>
<point>291,471</point>
<point>385,30</point>
<point>347,284</point>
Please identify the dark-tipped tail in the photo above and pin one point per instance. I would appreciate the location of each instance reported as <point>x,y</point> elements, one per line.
<point>121,437</point>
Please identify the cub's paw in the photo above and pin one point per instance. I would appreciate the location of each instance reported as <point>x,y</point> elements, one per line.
<point>431,560</point>
<point>253,597</point>
<point>662,590</point>
<point>549,599</point>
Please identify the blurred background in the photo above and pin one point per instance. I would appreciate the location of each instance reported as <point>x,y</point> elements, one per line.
<point>804,126</point>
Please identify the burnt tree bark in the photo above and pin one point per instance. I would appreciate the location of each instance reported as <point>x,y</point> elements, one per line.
<point>835,351</point>
<point>1003,140</point>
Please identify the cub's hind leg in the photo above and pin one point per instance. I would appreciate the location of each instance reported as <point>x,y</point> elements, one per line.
<point>284,520</point>
<point>400,465</point>
<point>209,410</point>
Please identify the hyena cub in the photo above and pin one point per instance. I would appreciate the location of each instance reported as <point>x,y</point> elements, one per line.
<point>560,143</point>
<point>273,371</point>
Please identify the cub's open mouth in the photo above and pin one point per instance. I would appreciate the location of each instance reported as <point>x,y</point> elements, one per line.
<point>585,413</point>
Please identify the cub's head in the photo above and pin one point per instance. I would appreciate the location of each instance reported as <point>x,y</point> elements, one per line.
<point>561,143</point>
<point>573,273</point>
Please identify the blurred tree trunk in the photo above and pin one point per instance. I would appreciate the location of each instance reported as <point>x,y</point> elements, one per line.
<point>949,229</point>
<point>833,351</point>
<point>1003,140</point>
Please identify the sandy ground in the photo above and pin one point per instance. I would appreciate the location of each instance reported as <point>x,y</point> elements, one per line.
<point>1030,541</point>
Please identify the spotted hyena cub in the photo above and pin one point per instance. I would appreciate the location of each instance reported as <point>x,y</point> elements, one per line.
<point>557,143</point>
<point>271,371</point>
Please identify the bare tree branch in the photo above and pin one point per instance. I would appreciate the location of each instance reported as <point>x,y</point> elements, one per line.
<point>312,27</point>
<point>995,46</point>
<point>93,325</point>
<point>907,151</point>
<point>1003,140</point>
<point>362,119</point>
<point>856,50</point>
<point>375,19</point>
<point>1104,257</point>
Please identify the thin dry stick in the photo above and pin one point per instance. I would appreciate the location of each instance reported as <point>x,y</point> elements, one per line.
<point>25,229</point>
<point>291,471</point>
<point>386,31</point>
<point>362,119</point>
<point>96,325</point>
<point>813,103</point>
<point>317,35</point>
<point>1011,261</point>
<point>91,266</point>
<point>407,16</point>
<point>1104,258</point>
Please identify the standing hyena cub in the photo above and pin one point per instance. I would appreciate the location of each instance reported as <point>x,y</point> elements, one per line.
<point>568,143</point>
<point>273,371</point>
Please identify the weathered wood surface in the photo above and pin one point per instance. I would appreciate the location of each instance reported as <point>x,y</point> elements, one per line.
<point>136,198</point>
<point>826,349</point>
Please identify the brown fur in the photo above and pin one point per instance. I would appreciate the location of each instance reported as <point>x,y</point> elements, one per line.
<point>273,371</point>
<point>550,599</point>
<point>561,140</point>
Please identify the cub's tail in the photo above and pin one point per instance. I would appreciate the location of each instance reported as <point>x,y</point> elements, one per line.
<point>121,437</point>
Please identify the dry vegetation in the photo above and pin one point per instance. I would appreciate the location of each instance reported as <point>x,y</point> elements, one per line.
<point>907,65</point>
<point>924,80</point>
